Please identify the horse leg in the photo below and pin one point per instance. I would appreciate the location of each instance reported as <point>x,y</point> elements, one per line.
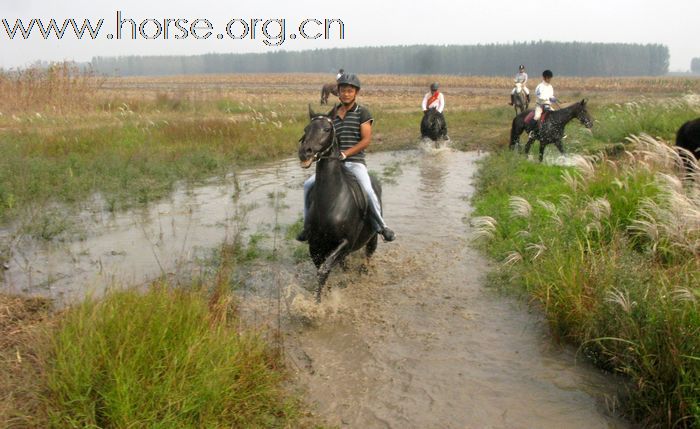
<point>325,268</point>
<point>542,147</point>
<point>559,146</point>
<point>528,144</point>
<point>370,248</point>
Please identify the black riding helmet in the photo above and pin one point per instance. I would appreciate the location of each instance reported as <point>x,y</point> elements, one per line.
<point>521,67</point>
<point>547,73</point>
<point>434,86</point>
<point>349,79</point>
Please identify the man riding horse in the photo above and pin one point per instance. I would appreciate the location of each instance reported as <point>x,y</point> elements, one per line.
<point>435,100</point>
<point>353,130</point>
<point>545,97</point>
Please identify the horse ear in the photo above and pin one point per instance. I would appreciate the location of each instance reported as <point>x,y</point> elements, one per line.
<point>311,112</point>
<point>583,102</point>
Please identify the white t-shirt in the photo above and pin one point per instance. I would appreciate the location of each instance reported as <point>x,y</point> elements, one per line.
<point>438,104</point>
<point>544,93</point>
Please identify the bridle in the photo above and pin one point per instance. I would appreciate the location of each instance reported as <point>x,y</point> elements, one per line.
<point>324,153</point>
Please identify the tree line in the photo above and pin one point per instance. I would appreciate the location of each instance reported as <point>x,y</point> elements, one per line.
<point>695,65</point>
<point>564,58</point>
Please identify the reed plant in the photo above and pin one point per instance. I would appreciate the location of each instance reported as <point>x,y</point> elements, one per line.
<point>609,249</point>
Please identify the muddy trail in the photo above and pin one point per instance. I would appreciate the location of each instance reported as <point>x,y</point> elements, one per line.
<point>418,342</point>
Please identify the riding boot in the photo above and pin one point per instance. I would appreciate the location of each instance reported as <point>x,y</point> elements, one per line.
<point>388,234</point>
<point>512,99</point>
<point>303,235</point>
<point>527,96</point>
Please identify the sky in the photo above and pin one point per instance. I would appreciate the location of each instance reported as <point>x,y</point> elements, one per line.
<point>366,23</point>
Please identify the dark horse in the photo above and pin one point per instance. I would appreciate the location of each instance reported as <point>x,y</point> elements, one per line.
<point>433,125</point>
<point>520,103</point>
<point>551,130</point>
<point>337,224</point>
<point>688,137</point>
<point>326,90</point>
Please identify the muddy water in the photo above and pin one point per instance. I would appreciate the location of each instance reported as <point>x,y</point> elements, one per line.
<point>419,342</point>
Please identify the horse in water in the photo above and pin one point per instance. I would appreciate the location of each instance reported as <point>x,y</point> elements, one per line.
<point>551,127</point>
<point>433,125</point>
<point>338,221</point>
<point>520,103</point>
<point>688,138</point>
<point>326,90</point>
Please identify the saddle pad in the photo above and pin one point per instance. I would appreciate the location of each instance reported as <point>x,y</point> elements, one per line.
<point>531,115</point>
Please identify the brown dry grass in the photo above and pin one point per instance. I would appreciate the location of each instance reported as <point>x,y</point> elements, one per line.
<point>21,319</point>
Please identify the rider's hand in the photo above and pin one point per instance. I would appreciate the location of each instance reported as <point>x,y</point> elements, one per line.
<point>342,156</point>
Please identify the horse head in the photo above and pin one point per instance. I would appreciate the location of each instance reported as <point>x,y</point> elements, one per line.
<point>583,115</point>
<point>318,138</point>
<point>431,124</point>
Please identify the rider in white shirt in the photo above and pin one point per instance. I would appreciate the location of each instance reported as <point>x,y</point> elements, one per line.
<point>340,73</point>
<point>545,95</point>
<point>434,98</point>
<point>521,78</point>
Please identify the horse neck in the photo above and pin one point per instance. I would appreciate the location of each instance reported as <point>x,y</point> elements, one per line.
<point>329,167</point>
<point>566,114</point>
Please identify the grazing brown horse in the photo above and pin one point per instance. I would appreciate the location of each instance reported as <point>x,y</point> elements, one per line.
<point>326,90</point>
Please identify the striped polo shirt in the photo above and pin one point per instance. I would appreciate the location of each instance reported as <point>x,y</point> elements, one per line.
<point>348,130</point>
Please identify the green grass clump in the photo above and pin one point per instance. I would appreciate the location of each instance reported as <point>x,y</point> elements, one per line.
<point>598,248</point>
<point>164,358</point>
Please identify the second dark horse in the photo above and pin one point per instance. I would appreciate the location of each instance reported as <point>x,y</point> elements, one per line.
<point>327,90</point>
<point>433,125</point>
<point>551,130</point>
<point>337,224</point>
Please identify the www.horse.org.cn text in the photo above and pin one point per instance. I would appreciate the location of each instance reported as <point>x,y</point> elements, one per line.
<point>271,31</point>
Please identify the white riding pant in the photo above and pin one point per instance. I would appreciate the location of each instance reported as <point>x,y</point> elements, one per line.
<point>539,109</point>
<point>359,170</point>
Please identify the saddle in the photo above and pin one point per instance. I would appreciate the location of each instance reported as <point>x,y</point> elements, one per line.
<point>529,117</point>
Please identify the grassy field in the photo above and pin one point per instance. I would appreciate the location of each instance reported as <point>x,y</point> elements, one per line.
<point>67,136</point>
<point>181,358</point>
<point>608,249</point>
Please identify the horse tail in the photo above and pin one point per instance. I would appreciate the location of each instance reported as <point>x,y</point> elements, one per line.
<point>515,131</point>
<point>323,92</point>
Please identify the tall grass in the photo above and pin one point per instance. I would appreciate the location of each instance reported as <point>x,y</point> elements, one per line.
<point>609,249</point>
<point>59,87</point>
<point>163,358</point>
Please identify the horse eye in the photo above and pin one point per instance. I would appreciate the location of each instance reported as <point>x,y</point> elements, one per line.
<point>326,129</point>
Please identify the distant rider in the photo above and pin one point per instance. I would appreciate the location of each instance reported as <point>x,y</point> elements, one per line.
<point>434,98</point>
<point>353,129</point>
<point>340,73</point>
<point>520,77</point>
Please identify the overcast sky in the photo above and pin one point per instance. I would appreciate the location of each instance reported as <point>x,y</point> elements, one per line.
<point>367,23</point>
